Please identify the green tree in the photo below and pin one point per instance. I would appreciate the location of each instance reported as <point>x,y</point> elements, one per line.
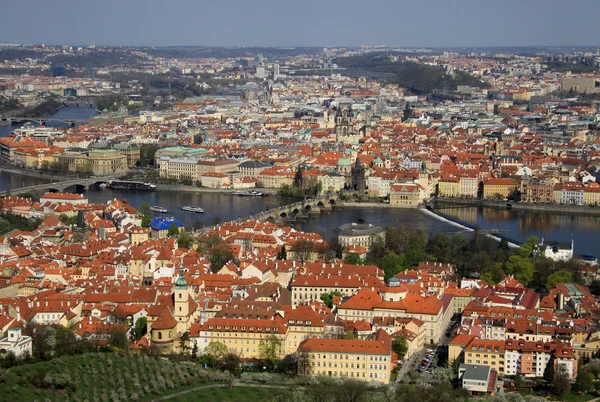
<point>185,240</point>
<point>173,230</point>
<point>353,259</point>
<point>146,221</point>
<point>327,298</point>
<point>282,253</point>
<point>549,371</point>
<point>529,248</point>
<point>559,277</point>
<point>214,352</point>
<point>585,380</point>
<point>269,350</point>
<point>521,268</point>
<point>140,328</point>
<point>184,339</point>
<point>118,338</point>
<point>145,209</point>
<point>392,264</point>
<point>400,346</point>
<point>493,274</point>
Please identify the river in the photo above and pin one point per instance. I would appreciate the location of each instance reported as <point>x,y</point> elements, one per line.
<point>584,230</point>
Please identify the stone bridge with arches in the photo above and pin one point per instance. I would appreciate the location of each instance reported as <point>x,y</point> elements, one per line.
<point>301,210</point>
<point>57,186</point>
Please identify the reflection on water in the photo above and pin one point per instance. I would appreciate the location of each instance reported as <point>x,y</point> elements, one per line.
<point>585,230</point>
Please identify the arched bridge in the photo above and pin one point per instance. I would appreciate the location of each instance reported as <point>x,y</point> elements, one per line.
<point>42,120</point>
<point>301,210</point>
<point>58,186</point>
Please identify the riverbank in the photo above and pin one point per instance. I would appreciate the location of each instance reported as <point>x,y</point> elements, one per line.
<point>362,205</point>
<point>521,206</point>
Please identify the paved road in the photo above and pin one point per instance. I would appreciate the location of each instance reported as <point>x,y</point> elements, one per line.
<point>410,364</point>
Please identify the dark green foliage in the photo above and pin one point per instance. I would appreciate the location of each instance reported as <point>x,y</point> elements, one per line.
<point>418,78</point>
<point>327,298</point>
<point>400,346</point>
<point>9,221</point>
<point>353,259</point>
<point>216,250</point>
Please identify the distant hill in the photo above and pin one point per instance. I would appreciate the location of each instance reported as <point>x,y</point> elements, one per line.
<point>418,78</point>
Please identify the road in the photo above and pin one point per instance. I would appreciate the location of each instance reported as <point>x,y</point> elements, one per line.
<point>410,364</point>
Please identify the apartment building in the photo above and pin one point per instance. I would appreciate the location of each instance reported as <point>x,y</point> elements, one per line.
<point>368,360</point>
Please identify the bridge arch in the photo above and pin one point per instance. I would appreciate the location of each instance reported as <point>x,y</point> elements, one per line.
<point>320,204</point>
<point>332,201</point>
<point>308,207</point>
<point>295,211</point>
<point>283,215</point>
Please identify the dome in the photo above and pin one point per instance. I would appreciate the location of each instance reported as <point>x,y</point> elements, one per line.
<point>377,161</point>
<point>344,162</point>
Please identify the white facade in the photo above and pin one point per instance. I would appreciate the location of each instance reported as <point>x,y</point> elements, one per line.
<point>16,343</point>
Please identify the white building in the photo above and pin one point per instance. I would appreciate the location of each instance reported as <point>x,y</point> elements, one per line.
<point>558,251</point>
<point>16,343</point>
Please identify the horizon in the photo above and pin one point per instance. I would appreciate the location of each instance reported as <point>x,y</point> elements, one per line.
<point>268,23</point>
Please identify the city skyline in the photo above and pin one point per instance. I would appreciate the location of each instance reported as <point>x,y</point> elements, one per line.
<point>275,24</point>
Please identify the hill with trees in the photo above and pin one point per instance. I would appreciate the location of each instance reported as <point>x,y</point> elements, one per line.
<point>418,78</point>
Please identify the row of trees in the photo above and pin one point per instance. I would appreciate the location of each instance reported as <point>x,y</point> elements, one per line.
<point>10,221</point>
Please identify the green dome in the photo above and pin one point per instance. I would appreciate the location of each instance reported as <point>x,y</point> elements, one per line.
<point>343,162</point>
<point>181,283</point>
<point>377,160</point>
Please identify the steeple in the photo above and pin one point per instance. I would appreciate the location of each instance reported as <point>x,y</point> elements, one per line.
<point>181,283</point>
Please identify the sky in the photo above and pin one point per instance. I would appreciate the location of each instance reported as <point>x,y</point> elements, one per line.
<point>322,23</point>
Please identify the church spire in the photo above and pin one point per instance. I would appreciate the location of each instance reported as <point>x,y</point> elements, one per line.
<point>181,283</point>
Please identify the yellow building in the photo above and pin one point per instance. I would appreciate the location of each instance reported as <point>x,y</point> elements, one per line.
<point>368,360</point>
<point>215,180</point>
<point>449,187</point>
<point>241,336</point>
<point>486,352</point>
<point>406,195</point>
<point>97,162</point>
<point>498,187</point>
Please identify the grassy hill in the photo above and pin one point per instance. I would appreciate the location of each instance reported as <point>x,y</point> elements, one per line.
<point>102,377</point>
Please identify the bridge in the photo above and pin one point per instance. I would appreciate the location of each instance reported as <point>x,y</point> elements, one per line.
<point>59,186</point>
<point>42,120</point>
<point>298,211</point>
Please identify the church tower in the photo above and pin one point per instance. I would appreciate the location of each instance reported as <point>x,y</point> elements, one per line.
<point>181,296</point>
<point>424,179</point>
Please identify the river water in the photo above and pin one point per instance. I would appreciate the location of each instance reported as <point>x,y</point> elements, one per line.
<point>584,230</point>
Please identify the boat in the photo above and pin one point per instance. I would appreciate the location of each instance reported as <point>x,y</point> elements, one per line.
<point>156,208</point>
<point>102,185</point>
<point>248,193</point>
<point>130,185</point>
<point>192,208</point>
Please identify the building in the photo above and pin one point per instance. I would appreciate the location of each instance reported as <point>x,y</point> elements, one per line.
<point>360,234</point>
<point>215,180</point>
<point>558,251</point>
<point>64,198</point>
<point>499,188</point>
<point>159,227</point>
<point>537,191</point>
<point>16,343</point>
<point>129,150</point>
<point>406,195</point>
<point>97,162</point>
<point>252,168</point>
<point>368,360</point>
<point>478,379</point>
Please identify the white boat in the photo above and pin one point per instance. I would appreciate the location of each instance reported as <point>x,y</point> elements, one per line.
<point>156,208</point>
<point>192,208</point>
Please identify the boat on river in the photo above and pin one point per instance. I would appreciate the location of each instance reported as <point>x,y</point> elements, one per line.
<point>192,208</point>
<point>157,208</point>
<point>130,185</point>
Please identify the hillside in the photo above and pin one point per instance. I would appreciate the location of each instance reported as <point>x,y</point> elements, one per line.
<point>418,78</point>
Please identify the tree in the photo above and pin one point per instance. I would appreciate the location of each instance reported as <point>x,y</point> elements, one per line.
<point>303,250</point>
<point>327,298</point>
<point>493,274</point>
<point>522,268</point>
<point>185,240</point>
<point>392,264</point>
<point>529,248</point>
<point>214,352</point>
<point>269,350</point>
<point>549,371</point>
<point>400,346</point>
<point>146,221</point>
<point>231,363</point>
<point>145,209</point>
<point>173,230</point>
<point>585,380</point>
<point>297,178</point>
<point>195,351</point>
<point>140,328</point>
<point>216,250</point>
<point>282,254</point>
<point>562,382</point>
<point>353,259</point>
<point>183,342</point>
<point>559,277</point>
<point>118,338</point>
